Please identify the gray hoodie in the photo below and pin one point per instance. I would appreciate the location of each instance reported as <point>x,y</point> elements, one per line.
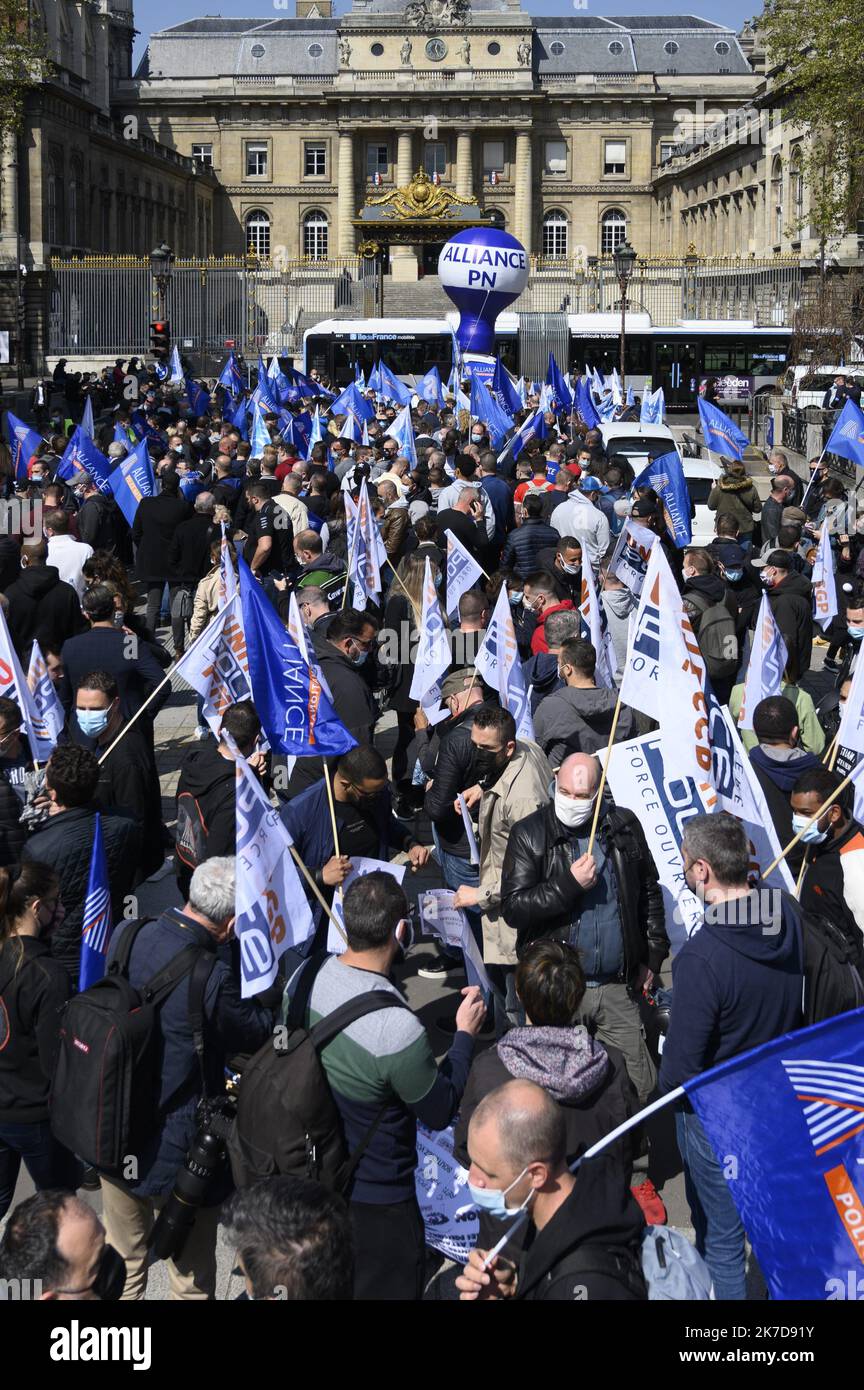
<point>566,1062</point>
<point>579,721</point>
<point>619,604</point>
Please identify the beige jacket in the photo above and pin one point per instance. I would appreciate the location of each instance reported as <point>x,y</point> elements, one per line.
<point>297,510</point>
<point>520,789</point>
<point>206,603</point>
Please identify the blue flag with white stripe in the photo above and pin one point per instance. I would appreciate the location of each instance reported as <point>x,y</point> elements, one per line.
<point>561,391</point>
<point>722,435</point>
<point>260,439</point>
<point>486,408</point>
<point>534,427</point>
<point>403,432</point>
<point>791,1113</point>
<point>97,922</point>
<point>23,441</point>
<point>231,377</point>
<point>391,388</point>
<point>506,394</point>
<point>847,436</point>
<point>653,408</point>
<point>133,480</point>
<point>585,404</point>
<point>429,388</point>
<point>351,402</point>
<point>82,456</point>
<point>666,476</point>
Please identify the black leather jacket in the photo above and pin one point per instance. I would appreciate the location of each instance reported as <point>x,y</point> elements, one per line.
<point>540,896</point>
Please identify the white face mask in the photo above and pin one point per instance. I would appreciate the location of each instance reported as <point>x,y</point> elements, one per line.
<point>573,811</point>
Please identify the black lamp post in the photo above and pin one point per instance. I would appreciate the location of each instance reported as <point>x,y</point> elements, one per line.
<point>624,259</point>
<point>161,262</point>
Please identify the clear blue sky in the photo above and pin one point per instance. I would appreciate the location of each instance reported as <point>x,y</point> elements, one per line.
<point>151,15</point>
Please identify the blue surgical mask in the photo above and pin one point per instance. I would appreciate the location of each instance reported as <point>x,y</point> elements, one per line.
<point>812,835</point>
<point>515,597</point>
<point>358,658</point>
<point>491,1199</point>
<point>856,633</point>
<point>92,722</point>
<point>734,575</point>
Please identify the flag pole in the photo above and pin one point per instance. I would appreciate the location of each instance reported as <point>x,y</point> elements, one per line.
<point>351,558</point>
<point>318,894</point>
<point>417,613</point>
<point>603,774</point>
<point>820,812</point>
<point>332,808</point>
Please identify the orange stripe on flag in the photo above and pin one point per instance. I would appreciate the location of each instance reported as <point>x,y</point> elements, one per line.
<point>849,1206</point>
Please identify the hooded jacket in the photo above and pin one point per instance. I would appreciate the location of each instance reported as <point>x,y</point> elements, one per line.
<point>736,984</point>
<point>777,770</point>
<point>210,778</point>
<point>540,674</point>
<point>600,1214</point>
<point>833,886</point>
<point>575,720</point>
<point>792,606</point>
<point>43,607</point>
<point>619,604</point>
<point>538,640</point>
<point>588,1080</point>
<point>736,496</point>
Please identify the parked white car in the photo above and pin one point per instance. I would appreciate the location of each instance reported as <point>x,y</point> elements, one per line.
<point>639,444</point>
<point>805,386</point>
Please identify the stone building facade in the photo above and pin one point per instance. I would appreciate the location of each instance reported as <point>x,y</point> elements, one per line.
<point>559,126</point>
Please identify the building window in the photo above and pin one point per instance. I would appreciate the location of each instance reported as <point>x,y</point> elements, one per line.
<point>493,157</point>
<point>256,161</point>
<point>258,50</point>
<point>614,157</point>
<point>616,47</point>
<point>557,48</point>
<point>315,50</point>
<point>377,50</point>
<point>493,48</point>
<point>796,189</point>
<point>613,230</point>
<point>555,233</point>
<point>670,47</point>
<point>496,217</point>
<point>74,205</point>
<point>203,154</point>
<point>258,233</point>
<point>667,150</point>
<point>315,235</point>
<point>315,160</point>
<point>555,157</point>
<point>722,48</point>
<point>54,202</point>
<point>435,158</point>
<point>777,199</point>
<point>377,162</point>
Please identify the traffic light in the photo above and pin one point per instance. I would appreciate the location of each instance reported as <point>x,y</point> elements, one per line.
<point>160,340</point>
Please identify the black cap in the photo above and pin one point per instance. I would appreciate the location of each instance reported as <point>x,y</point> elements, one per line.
<point>779,560</point>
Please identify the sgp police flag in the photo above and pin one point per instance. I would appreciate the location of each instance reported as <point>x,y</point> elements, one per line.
<point>767,665</point>
<point>824,583</point>
<point>271,908</point>
<point>594,619</point>
<point>433,653</point>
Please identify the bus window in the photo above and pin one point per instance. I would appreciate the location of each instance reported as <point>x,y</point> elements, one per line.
<point>721,355</point>
<point>507,348</point>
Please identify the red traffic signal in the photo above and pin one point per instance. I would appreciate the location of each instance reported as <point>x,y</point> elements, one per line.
<point>160,340</point>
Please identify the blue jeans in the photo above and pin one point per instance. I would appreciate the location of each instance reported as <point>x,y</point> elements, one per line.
<point>719,1233</point>
<point>47,1162</point>
<point>456,872</point>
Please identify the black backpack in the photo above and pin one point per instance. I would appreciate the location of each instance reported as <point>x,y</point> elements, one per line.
<point>287,1121</point>
<point>105,1088</point>
<point>717,638</point>
<point>190,836</point>
<point>833,969</point>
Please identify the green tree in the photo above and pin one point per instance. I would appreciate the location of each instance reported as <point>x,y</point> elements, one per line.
<point>22,61</point>
<point>815,63</point>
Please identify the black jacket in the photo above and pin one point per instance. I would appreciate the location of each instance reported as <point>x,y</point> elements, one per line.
<point>210,778</point>
<point>33,990</point>
<point>599,1215</point>
<point>129,786</point>
<point>826,888</point>
<point>12,832</point>
<point>449,772</point>
<point>43,607</point>
<point>190,547</point>
<point>66,843</point>
<point>108,649</point>
<point>540,895</point>
<point>524,545</point>
<point>792,607</point>
<point>156,521</point>
<point>772,511</point>
<point>98,520</point>
<point>353,702</point>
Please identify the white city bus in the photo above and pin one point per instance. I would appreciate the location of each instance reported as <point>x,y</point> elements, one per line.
<point>410,347</point>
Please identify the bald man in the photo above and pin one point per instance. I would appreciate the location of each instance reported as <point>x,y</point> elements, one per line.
<point>606,903</point>
<point>517,1147</point>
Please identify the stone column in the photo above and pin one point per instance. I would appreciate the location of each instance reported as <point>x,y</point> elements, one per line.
<point>464,165</point>
<point>9,197</point>
<point>403,259</point>
<point>345,210</point>
<point>524,218</point>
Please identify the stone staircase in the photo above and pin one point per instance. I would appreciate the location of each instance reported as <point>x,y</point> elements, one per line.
<point>425,299</point>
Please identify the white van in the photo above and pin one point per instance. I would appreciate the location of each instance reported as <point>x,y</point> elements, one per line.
<point>806,386</point>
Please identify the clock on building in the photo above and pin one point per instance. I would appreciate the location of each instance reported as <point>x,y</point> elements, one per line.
<point>436,49</point>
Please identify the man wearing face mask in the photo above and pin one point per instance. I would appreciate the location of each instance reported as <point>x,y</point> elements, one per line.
<point>517,1146</point>
<point>384,1078</point>
<point>128,780</point>
<point>737,983</point>
<point>607,904</point>
<point>791,604</point>
<point>778,761</point>
<point>57,1243</point>
<point>833,884</point>
<point>513,776</point>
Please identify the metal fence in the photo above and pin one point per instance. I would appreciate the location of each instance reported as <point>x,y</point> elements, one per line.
<point>103,304</point>
<point>669,289</point>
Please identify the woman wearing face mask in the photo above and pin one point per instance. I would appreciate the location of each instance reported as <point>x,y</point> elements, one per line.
<point>33,990</point>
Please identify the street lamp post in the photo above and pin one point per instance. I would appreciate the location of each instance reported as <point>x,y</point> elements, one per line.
<point>624,258</point>
<point>161,262</point>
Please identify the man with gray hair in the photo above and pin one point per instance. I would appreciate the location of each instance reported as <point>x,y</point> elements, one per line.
<point>231,1024</point>
<point>517,1147</point>
<point>737,983</point>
